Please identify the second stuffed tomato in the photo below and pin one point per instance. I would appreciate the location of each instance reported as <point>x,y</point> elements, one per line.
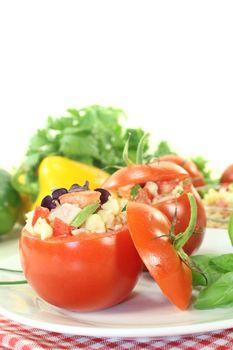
<point>165,186</point>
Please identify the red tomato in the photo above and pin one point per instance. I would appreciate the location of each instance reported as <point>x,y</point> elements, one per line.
<point>147,227</point>
<point>227,175</point>
<point>40,212</point>
<point>168,207</point>
<point>142,173</point>
<point>82,273</point>
<point>189,166</point>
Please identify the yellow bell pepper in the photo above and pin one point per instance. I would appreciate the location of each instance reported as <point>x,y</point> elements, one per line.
<point>56,171</point>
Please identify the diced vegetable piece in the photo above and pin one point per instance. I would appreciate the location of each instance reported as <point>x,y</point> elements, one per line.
<point>40,212</point>
<point>43,229</point>
<point>60,228</point>
<point>84,213</point>
<point>107,217</point>
<point>112,206</point>
<point>95,223</point>
<point>66,212</point>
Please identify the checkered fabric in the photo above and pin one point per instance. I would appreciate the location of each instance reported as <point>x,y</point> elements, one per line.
<point>18,337</point>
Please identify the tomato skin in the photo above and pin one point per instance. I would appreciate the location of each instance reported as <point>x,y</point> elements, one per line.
<point>183,216</point>
<point>227,175</point>
<point>189,166</point>
<point>85,273</point>
<point>147,227</point>
<point>142,173</point>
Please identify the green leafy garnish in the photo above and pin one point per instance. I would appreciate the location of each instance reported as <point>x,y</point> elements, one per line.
<point>202,165</point>
<point>218,270</point>
<point>163,148</point>
<point>223,263</point>
<point>93,135</point>
<point>217,294</point>
<point>84,214</point>
<point>211,272</point>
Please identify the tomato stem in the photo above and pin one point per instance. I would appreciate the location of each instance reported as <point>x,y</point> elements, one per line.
<point>140,148</point>
<point>125,154</point>
<point>191,264</point>
<point>139,151</point>
<point>173,224</point>
<point>5,283</point>
<point>183,237</point>
<point>10,270</point>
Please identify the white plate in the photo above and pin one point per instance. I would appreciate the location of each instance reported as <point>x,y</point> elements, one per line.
<point>145,313</point>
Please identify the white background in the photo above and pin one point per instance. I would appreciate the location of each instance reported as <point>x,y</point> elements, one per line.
<point>169,64</point>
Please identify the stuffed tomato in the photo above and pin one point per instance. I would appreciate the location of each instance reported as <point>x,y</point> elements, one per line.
<point>165,186</point>
<point>195,174</point>
<point>76,250</point>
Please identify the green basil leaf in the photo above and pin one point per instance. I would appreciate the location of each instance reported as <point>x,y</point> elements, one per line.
<point>223,263</point>
<point>203,262</point>
<point>218,294</point>
<point>84,214</point>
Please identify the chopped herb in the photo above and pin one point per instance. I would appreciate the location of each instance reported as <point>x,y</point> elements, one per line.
<point>124,208</point>
<point>134,191</point>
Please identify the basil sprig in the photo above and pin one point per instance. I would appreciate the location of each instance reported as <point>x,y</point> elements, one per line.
<point>219,273</point>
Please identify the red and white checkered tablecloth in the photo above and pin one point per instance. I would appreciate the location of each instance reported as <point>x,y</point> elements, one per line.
<point>15,336</point>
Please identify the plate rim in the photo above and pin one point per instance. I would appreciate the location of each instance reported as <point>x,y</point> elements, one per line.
<point>134,332</point>
<point>121,332</point>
